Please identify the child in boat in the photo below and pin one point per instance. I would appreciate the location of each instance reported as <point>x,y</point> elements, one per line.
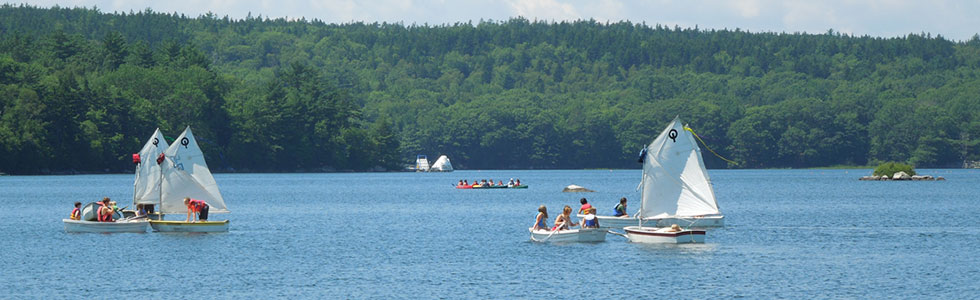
<point>510,183</point>
<point>196,206</point>
<point>141,210</point>
<point>500,183</point>
<point>621,208</point>
<point>105,211</point>
<point>585,206</point>
<point>674,228</point>
<point>564,220</point>
<point>76,214</point>
<point>460,183</point>
<point>541,218</point>
<point>518,183</point>
<point>590,220</point>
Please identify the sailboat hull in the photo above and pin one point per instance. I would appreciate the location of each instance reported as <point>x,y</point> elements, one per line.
<point>182,226</point>
<point>654,235</point>
<point>691,222</point>
<point>615,222</point>
<point>77,226</point>
<point>586,235</point>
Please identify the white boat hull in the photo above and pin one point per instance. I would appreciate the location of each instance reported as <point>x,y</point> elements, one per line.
<point>688,222</point>
<point>182,226</point>
<point>586,235</point>
<point>615,222</point>
<point>105,227</point>
<point>655,235</point>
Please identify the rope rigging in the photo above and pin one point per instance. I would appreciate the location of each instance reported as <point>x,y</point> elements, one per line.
<point>709,148</point>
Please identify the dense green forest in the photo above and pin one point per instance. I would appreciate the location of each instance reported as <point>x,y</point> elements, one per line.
<point>81,89</point>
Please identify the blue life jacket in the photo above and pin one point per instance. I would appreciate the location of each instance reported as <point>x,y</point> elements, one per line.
<point>589,223</point>
<point>620,210</point>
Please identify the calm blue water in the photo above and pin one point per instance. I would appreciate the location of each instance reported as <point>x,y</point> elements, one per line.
<point>790,234</point>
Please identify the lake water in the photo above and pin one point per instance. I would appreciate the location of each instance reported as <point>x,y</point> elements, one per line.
<point>789,234</point>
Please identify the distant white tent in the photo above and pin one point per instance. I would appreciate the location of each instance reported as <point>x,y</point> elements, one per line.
<point>442,165</point>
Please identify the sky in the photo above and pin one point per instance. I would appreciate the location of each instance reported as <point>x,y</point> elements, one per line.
<point>955,20</point>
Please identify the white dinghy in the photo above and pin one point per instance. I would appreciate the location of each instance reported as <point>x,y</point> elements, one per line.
<point>583,235</point>
<point>674,186</point>
<point>186,174</point>
<point>88,223</point>
<point>442,165</point>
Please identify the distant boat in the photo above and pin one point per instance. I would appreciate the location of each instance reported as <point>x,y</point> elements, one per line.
<point>478,187</point>
<point>674,187</point>
<point>186,174</point>
<point>421,163</point>
<point>442,165</point>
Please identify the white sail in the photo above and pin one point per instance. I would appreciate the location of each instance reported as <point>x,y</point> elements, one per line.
<point>442,165</point>
<point>147,184</point>
<point>186,174</point>
<point>675,182</point>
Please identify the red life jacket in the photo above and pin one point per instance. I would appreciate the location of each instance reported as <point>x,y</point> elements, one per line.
<point>102,216</point>
<point>196,205</point>
<point>76,214</point>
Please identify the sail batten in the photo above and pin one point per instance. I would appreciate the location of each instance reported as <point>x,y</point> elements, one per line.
<point>675,181</point>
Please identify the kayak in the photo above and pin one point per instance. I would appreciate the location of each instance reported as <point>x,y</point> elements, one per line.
<point>480,187</point>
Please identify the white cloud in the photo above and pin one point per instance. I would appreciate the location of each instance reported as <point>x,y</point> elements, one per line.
<point>746,8</point>
<point>550,10</point>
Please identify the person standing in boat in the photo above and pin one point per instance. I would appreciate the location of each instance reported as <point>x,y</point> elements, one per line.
<point>76,214</point>
<point>621,208</point>
<point>564,220</point>
<point>541,219</point>
<point>105,211</point>
<point>196,206</point>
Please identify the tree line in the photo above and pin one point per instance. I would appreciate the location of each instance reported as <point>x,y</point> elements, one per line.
<point>80,89</point>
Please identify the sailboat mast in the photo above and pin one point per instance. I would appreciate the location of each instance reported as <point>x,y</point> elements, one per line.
<point>160,189</point>
<point>136,181</point>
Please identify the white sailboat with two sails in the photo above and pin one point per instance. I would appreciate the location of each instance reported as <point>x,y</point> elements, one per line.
<point>177,172</point>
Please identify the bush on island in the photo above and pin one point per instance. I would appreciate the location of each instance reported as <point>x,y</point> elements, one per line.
<point>890,168</point>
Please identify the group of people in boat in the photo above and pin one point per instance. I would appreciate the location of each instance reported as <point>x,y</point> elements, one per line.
<point>564,220</point>
<point>487,183</point>
<point>196,209</point>
<point>105,213</point>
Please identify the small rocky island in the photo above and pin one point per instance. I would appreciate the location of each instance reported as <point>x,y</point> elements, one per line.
<point>898,171</point>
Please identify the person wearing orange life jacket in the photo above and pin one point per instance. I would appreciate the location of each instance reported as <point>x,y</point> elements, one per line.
<point>105,211</point>
<point>196,206</point>
<point>76,214</point>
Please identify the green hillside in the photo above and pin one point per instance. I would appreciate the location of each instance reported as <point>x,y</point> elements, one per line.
<point>81,89</point>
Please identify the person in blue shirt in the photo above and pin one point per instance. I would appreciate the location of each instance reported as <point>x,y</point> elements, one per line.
<point>621,208</point>
<point>541,219</point>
